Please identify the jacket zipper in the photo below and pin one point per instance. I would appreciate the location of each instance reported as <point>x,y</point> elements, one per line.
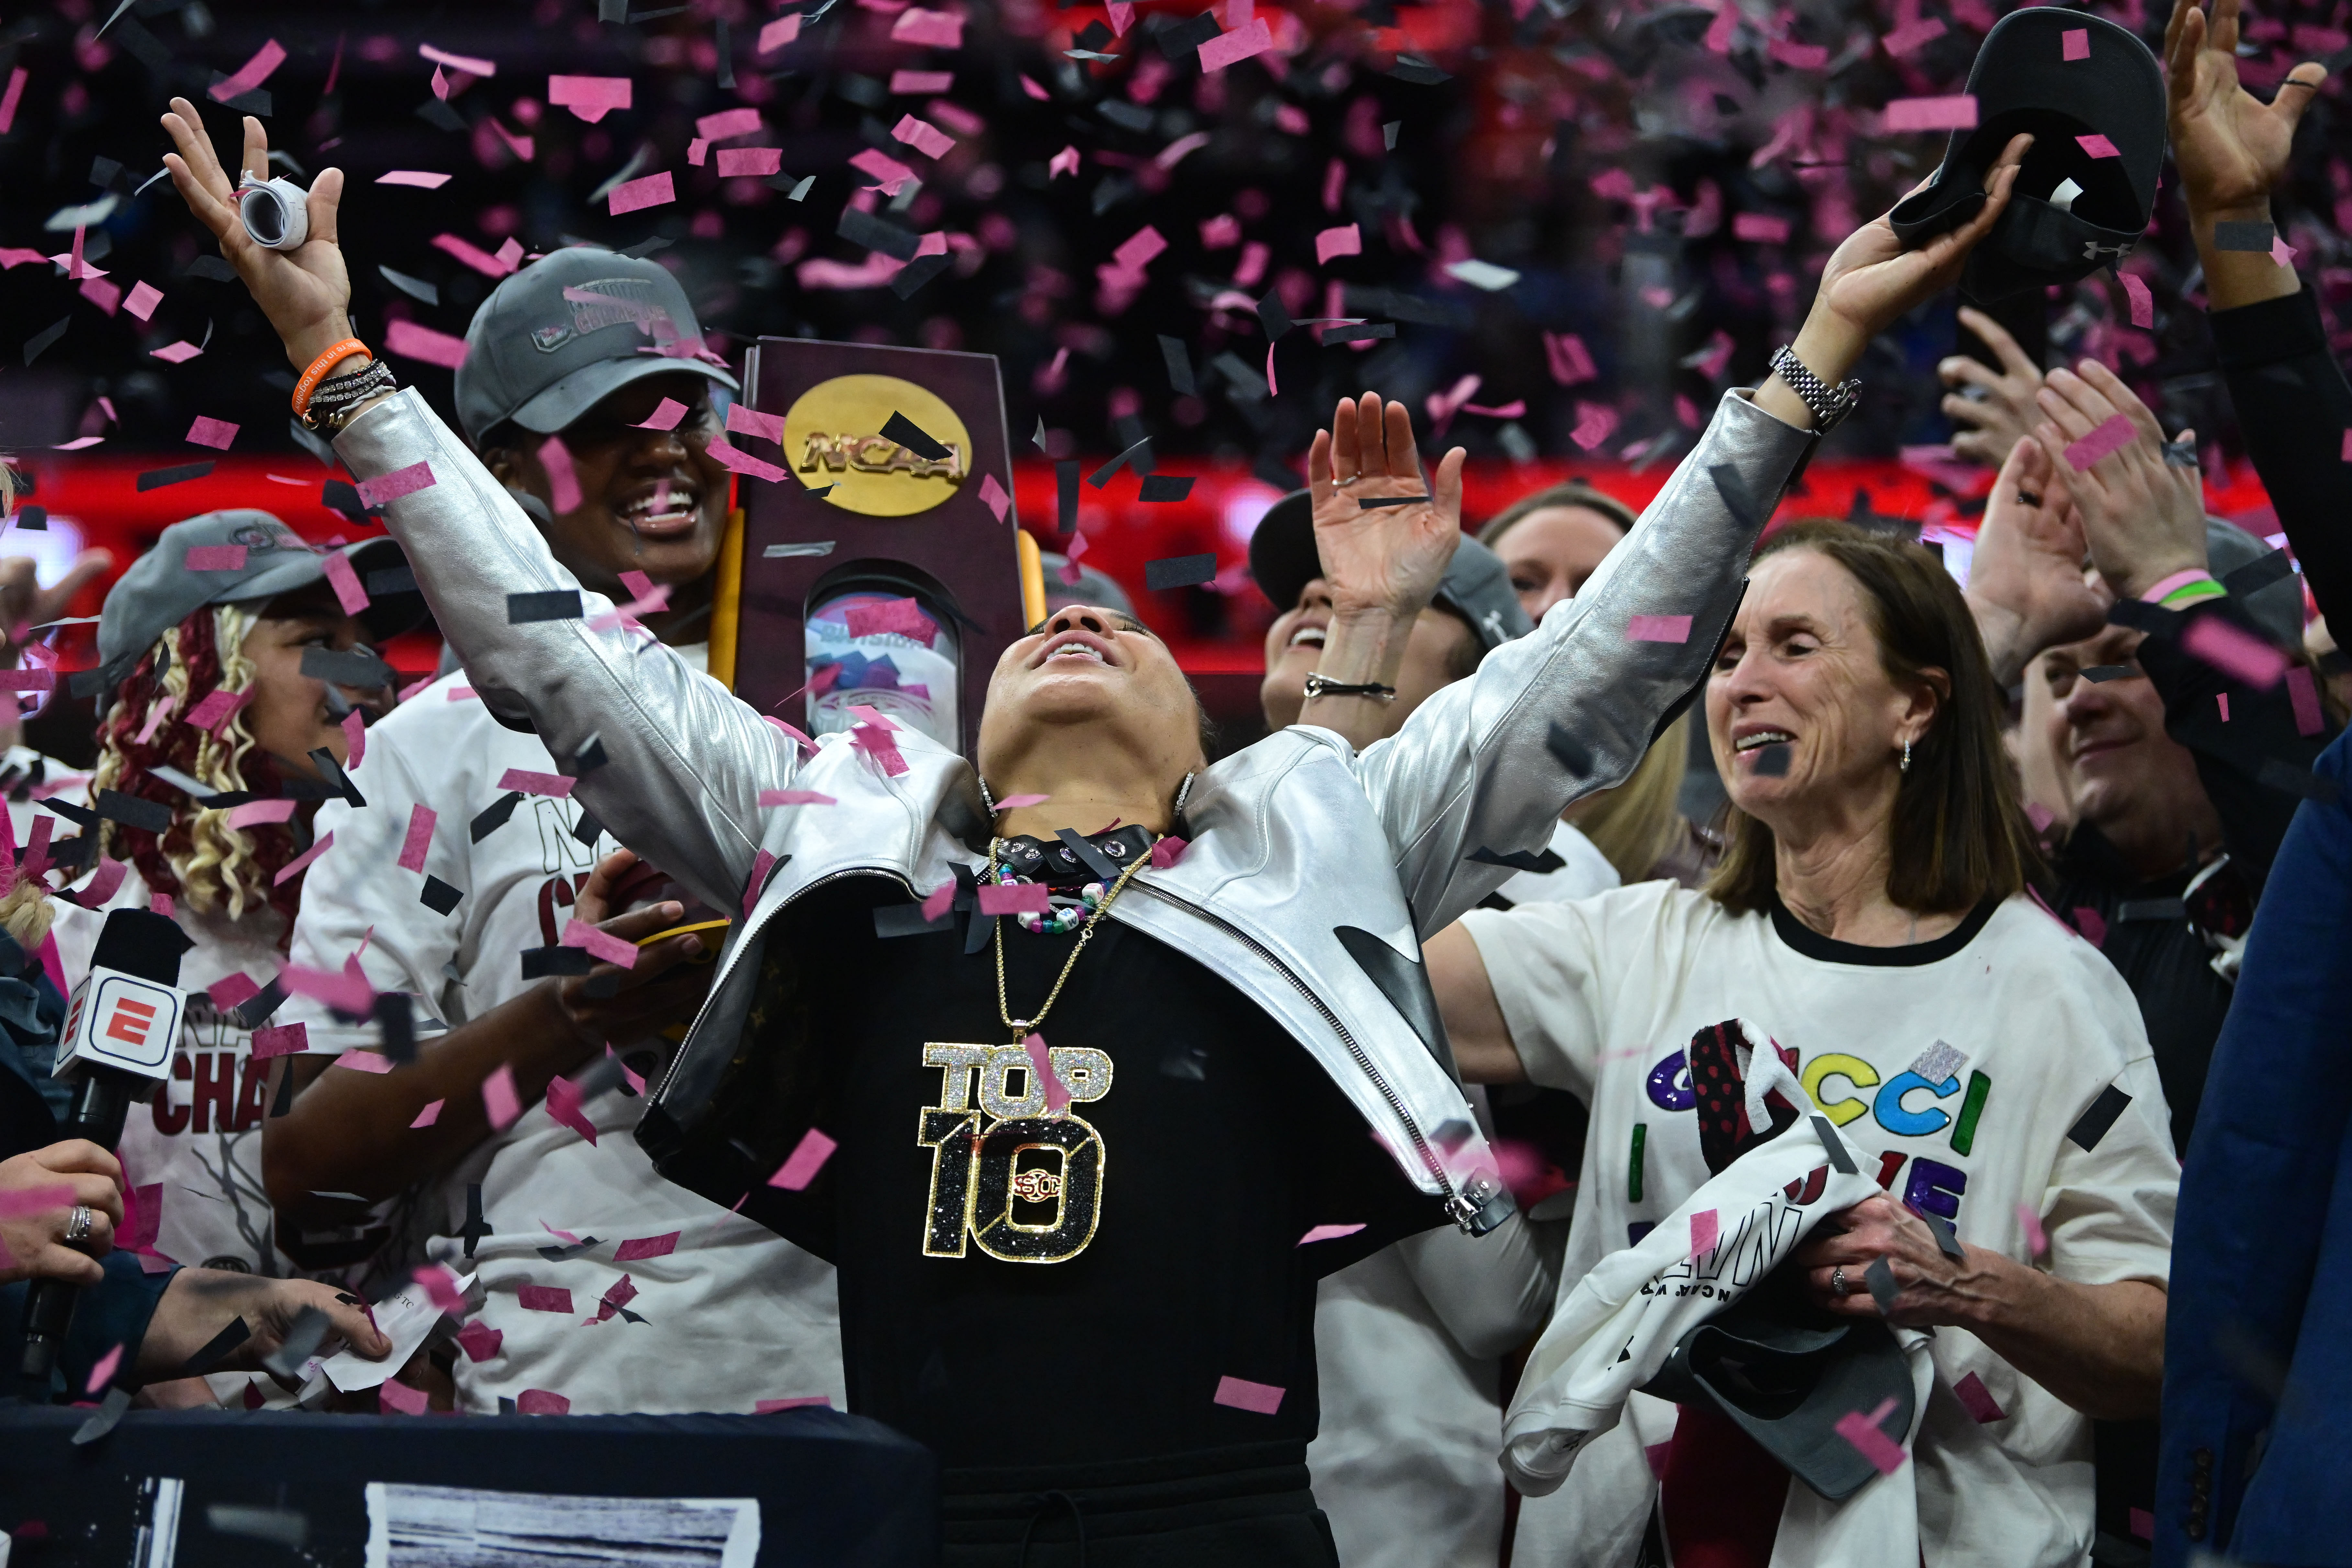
<point>1460,1206</point>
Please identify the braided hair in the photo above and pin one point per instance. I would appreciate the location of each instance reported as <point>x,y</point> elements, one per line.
<point>199,858</point>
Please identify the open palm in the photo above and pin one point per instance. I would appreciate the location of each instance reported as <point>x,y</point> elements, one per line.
<point>1380,557</point>
<point>1871,280</point>
<point>306,292</point>
<point>2230,146</point>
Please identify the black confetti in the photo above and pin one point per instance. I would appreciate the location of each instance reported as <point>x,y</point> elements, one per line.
<point>494,816</point>
<point>1180,572</point>
<point>156,478</point>
<point>389,579</point>
<point>1366,332</point>
<point>398,1024</point>
<point>1833,1145</point>
<point>1517,859</point>
<point>1138,454</point>
<point>1270,313</point>
<point>2099,673</point>
<point>912,436</point>
<point>132,812</point>
<point>1180,367</point>
<point>2258,237</point>
<point>303,1337</point>
<point>2094,1123</point>
<point>1884,1291</point>
<point>864,228</point>
<point>918,272</point>
<point>551,605</point>
<point>1161,488</point>
<point>216,1349</point>
<point>103,1420</point>
<point>438,895</point>
<point>1066,482</point>
<point>1370,504</point>
<point>539,962</point>
<point>907,919</point>
<point>1772,761</point>
<point>41,339</point>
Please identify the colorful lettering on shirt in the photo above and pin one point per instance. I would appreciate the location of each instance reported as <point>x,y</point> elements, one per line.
<point>1634,1165</point>
<point>1889,1163</point>
<point>1834,1064</point>
<point>1964,1131</point>
<point>1935,1188</point>
<point>1027,1185</point>
<point>222,1098</point>
<point>1670,1085</point>
<point>1900,1119</point>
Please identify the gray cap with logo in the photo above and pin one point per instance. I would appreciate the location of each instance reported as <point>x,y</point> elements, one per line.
<point>557,337</point>
<point>1476,586</point>
<point>160,591</point>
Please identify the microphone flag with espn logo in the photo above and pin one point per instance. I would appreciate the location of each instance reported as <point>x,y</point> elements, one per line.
<point>125,1013</point>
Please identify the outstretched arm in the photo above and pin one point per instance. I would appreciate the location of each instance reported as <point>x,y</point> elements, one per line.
<point>685,761</point>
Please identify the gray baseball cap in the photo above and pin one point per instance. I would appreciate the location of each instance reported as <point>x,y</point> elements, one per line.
<point>161,590</point>
<point>1476,586</point>
<point>2277,607</point>
<point>557,337</point>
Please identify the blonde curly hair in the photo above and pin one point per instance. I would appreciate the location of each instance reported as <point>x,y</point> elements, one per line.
<point>199,858</point>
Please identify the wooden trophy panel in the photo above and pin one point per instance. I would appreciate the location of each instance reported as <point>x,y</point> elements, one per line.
<point>958,540</point>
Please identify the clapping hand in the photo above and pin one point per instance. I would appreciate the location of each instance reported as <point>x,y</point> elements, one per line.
<point>2026,587</point>
<point>2143,517</point>
<point>1991,424</point>
<point>1385,559</point>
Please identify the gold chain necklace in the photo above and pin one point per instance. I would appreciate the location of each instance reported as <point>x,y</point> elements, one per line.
<point>1022,1027</point>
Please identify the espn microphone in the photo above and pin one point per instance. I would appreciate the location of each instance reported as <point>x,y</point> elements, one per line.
<point>121,1031</point>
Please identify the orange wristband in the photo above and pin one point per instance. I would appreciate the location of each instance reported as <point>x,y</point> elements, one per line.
<point>319,367</point>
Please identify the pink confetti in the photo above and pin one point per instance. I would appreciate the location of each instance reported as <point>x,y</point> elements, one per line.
<point>480,1342</point>
<point>2346,453</point>
<point>1658,628</point>
<point>2304,696</point>
<point>739,461</point>
<point>532,782</point>
<point>364,1061</point>
<point>2142,1524</point>
<point>921,81</point>
<point>807,1160</point>
<point>413,847</point>
<point>504,1105</point>
<point>666,415</point>
<point>777,33</point>
<point>420,342</point>
<point>1016,897</point>
<point>902,617</point>
<point>936,28</point>
<point>992,496</point>
<point>1704,1232</point>
<point>440,1287</point>
<point>250,75</point>
<point>1978,1400</point>
<point>736,162</point>
<point>1167,851</point>
<point>1761,227</point>
<point>1595,423</point>
<point>233,990</point>
<point>728,123</point>
<point>472,254</point>
<point>1232,48</point>
<point>590,97</point>
<point>1064,162</point>
<point>543,1298</point>
<point>1863,1432</point>
<point>1912,35</point>
<point>143,300</point>
<point>601,944</point>
<point>1957,112</point>
<point>1345,241</point>
<point>563,482</point>
<point>1041,1062</point>
<point>652,191</point>
<point>770,1406</point>
<point>646,1246</point>
<point>258,811</point>
<point>8,102</point>
<point>539,1401</point>
<point>1263,1398</point>
<point>1329,1233</point>
<point>215,558</point>
<point>429,1115</point>
<point>26,1201</point>
<point>354,727</point>
<point>400,482</point>
<point>469,64</point>
<point>182,351</point>
<point>280,1040</point>
<point>1571,360</point>
<point>762,864</point>
<point>2110,437</point>
<point>337,568</point>
<point>745,421</point>
<point>2037,1241</point>
<point>422,179</point>
<point>564,1104</point>
<point>2143,304</point>
<point>1140,248</point>
<point>2098,146</point>
<point>2074,43</point>
<point>397,1398</point>
<point>922,136</point>
<point>2238,653</point>
<point>101,1371</point>
<point>1016,802</point>
<point>794,797</point>
<point>208,431</point>
<point>300,863</point>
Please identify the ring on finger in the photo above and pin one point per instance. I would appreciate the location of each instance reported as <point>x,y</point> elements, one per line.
<point>1837,1281</point>
<point>78,1225</point>
<point>2027,498</point>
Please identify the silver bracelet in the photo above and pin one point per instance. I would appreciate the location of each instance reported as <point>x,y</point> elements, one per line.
<point>1318,686</point>
<point>1830,404</point>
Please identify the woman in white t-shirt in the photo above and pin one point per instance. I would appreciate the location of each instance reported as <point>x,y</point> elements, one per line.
<point>1985,1063</point>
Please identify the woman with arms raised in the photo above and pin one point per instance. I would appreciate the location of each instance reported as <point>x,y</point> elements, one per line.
<point>1112,1350</point>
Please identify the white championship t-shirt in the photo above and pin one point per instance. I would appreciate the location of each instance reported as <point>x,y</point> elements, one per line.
<point>1583,872</point>
<point>1956,1067</point>
<point>725,1316</point>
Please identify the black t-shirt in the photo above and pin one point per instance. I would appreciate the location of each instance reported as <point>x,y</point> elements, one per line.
<point>1074,1289</point>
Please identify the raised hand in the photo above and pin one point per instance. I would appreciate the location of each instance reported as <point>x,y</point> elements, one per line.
<point>1385,559</point>
<point>2230,146</point>
<point>1871,282</point>
<point>306,292</point>
<point>2143,517</point>
<point>2026,588</point>
<point>1991,426</point>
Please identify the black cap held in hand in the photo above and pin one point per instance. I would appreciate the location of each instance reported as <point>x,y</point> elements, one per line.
<point>143,944</point>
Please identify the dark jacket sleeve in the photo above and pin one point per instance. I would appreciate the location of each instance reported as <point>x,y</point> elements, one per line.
<point>2244,761</point>
<point>2257,1284</point>
<point>2294,407</point>
<point>114,1311</point>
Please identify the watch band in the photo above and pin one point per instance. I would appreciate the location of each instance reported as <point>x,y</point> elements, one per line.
<point>1830,404</point>
<point>1317,685</point>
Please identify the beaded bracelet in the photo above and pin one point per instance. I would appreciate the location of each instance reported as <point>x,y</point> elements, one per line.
<point>318,368</point>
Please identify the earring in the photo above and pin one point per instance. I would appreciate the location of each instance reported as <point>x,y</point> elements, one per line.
<point>986,799</point>
<point>1183,794</point>
<point>1906,756</point>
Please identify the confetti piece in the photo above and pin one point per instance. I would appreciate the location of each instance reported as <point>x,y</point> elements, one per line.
<point>539,1401</point>
<point>1016,897</point>
<point>2244,236</point>
<point>590,97</point>
<point>1329,1233</point>
<point>1978,1400</point>
<point>2074,43</point>
<point>400,482</point>
<point>1658,628</point>
<point>2236,653</point>
<point>261,811</point>
<point>1167,851</point>
<point>922,136</point>
<point>413,848</point>
<point>1483,275</point>
<point>1957,112</point>
<point>280,1040</point>
<point>920,81</point>
<point>157,479</point>
<point>665,416</point>
<point>2037,1242</point>
<point>419,343</point>
<point>504,1105</point>
<point>1345,241</point>
<point>1761,227</point>
<point>11,98</point>
<point>426,1116</point>
<point>2110,437</point>
<point>807,1159</point>
<point>600,944</point>
<point>1880,1277</point>
<point>992,496</point>
<point>1863,1432</point>
<point>2143,304</point>
<point>1263,1398</point>
<point>739,461</point>
<point>337,568</point>
<point>633,195</point>
<point>775,34</point>
<point>250,75</point>
<point>422,179</point>
<point>214,433</point>
<point>1180,572</point>
<point>1232,48</point>
<point>754,163</point>
<point>530,783</point>
<point>936,28</point>
<point>543,1298</point>
<point>2304,698</point>
<point>364,1061</point>
<point>101,1371</point>
<point>563,1098</point>
<point>2098,146</point>
<point>794,797</point>
<point>646,1247</point>
<point>762,864</point>
<point>563,482</point>
<point>1705,1230</point>
<point>472,254</point>
<point>300,863</point>
<point>215,558</point>
<point>1016,802</point>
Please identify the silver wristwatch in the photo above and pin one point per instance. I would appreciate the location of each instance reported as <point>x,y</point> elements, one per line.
<point>1830,404</point>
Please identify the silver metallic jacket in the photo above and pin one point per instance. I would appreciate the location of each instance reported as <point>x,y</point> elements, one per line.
<point>1314,872</point>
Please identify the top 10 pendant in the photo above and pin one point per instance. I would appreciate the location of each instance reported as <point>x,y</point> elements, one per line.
<point>1012,1173</point>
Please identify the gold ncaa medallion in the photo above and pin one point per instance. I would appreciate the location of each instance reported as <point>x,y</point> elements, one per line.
<point>833,435</point>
